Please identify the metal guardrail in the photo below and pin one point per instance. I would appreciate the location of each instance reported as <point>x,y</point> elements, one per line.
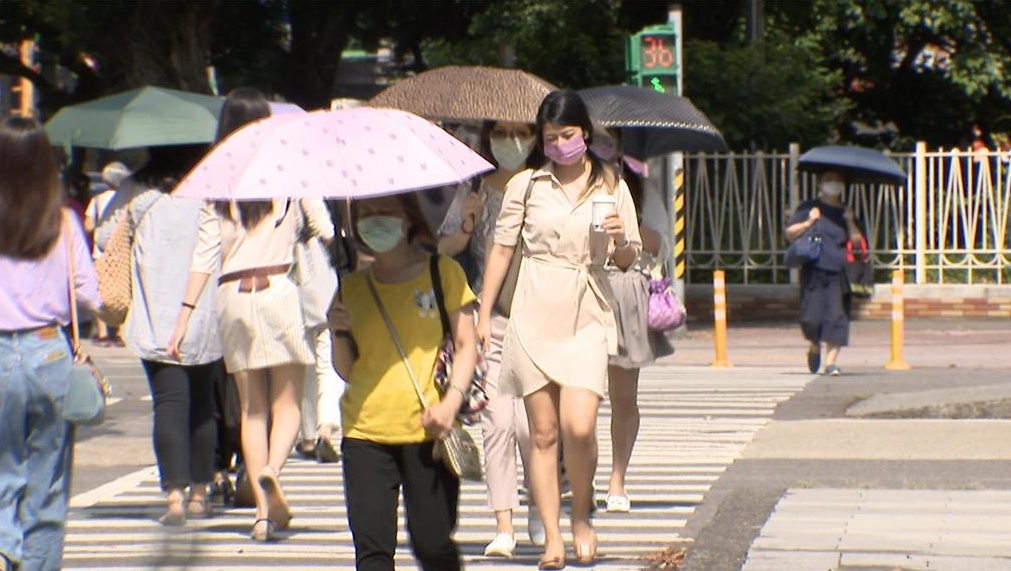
<point>949,224</point>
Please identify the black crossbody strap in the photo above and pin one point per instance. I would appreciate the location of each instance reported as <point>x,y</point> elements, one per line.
<point>433,270</point>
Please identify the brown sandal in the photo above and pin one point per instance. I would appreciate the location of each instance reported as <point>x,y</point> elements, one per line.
<point>175,515</point>
<point>198,508</point>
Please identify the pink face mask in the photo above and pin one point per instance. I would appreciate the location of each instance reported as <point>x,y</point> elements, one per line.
<point>605,148</point>
<point>566,152</point>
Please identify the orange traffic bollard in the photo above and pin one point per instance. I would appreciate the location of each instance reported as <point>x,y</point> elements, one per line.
<point>720,319</point>
<point>898,363</point>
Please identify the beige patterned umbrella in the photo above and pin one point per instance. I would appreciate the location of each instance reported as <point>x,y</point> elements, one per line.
<point>469,94</point>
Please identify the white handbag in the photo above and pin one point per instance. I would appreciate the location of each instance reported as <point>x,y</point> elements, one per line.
<point>316,280</point>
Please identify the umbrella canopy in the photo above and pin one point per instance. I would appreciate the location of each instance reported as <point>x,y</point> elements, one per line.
<point>145,117</point>
<point>351,153</point>
<point>652,123</point>
<point>468,94</point>
<point>856,163</point>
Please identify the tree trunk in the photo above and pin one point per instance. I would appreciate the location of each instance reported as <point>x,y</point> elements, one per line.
<point>168,45</point>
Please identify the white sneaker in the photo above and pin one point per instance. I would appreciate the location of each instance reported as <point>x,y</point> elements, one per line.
<point>535,527</point>
<point>619,504</point>
<point>502,546</point>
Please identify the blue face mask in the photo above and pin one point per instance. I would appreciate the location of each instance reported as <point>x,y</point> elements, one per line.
<point>381,233</point>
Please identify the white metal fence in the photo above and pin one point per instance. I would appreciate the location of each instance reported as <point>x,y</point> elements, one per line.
<point>948,224</point>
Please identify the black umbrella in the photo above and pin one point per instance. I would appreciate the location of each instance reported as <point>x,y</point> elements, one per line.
<point>652,123</point>
<point>856,163</point>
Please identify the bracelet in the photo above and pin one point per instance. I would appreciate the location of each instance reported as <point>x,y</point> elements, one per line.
<point>459,390</point>
<point>189,305</point>
<point>623,246</point>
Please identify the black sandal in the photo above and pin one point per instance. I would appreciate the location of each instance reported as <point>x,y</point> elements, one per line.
<point>263,533</point>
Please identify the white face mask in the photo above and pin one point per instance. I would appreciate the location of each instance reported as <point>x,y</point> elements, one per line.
<point>511,152</point>
<point>832,188</point>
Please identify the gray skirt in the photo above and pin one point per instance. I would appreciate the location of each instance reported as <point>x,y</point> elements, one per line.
<point>638,346</point>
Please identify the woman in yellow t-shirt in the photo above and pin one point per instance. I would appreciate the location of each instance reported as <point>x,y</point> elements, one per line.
<point>388,437</point>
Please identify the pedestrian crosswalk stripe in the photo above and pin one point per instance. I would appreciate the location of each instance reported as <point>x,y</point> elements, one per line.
<point>693,426</point>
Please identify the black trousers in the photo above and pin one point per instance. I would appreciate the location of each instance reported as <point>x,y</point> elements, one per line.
<point>823,315</point>
<point>185,431</point>
<point>228,451</point>
<point>373,476</point>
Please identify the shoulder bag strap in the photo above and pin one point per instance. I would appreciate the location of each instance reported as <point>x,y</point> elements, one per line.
<point>396,341</point>
<point>75,330</point>
<point>433,270</point>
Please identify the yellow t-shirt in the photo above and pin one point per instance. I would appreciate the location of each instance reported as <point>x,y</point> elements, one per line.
<point>380,404</point>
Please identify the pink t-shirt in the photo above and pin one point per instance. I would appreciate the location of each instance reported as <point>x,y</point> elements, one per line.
<point>35,293</point>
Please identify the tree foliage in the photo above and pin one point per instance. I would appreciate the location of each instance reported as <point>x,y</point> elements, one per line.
<point>877,72</point>
<point>571,44</point>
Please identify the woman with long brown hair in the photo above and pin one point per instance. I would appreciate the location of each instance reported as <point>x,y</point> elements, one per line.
<point>39,243</point>
<point>252,244</point>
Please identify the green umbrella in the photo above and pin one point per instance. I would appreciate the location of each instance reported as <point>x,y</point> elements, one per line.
<point>145,117</point>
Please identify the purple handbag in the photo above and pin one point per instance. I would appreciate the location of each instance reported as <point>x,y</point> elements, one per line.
<point>665,309</point>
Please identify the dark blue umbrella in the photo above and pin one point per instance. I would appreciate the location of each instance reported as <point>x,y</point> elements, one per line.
<point>856,163</point>
<point>652,123</point>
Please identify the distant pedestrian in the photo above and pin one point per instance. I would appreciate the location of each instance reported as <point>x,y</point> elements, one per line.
<point>164,234</point>
<point>38,239</point>
<point>94,213</point>
<point>265,344</point>
<point>389,438</point>
<point>466,233</point>
<point>561,328</point>
<point>824,317</point>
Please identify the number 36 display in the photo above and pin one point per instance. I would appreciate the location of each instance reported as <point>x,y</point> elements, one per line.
<point>651,61</point>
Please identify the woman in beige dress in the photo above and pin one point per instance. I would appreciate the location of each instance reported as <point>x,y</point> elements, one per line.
<point>561,328</point>
<point>262,331</point>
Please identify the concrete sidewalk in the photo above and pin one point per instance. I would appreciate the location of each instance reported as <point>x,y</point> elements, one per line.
<point>819,490</point>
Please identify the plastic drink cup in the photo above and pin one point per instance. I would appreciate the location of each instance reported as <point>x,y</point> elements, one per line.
<point>603,205</point>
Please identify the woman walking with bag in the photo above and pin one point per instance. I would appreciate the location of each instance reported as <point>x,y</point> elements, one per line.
<point>389,435</point>
<point>252,244</point>
<point>39,244</point>
<point>468,230</point>
<point>824,317</point>
<point>561,328</point>
<point>163,232</point>
<point>638,346</point>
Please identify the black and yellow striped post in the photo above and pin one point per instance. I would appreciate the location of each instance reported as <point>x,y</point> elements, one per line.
<point>678,234</point>
<point>678,256</point>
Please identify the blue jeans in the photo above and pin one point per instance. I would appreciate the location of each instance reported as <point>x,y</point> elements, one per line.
<point>36,447</point>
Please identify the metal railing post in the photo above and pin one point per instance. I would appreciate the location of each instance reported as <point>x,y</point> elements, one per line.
<point>921,222</point>
<point>793,193</point>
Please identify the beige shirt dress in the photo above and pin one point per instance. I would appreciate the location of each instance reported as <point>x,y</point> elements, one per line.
<point>561,328</point>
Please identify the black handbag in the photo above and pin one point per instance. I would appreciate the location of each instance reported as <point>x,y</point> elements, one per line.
<point>805,249</point>
<point>858,270</point>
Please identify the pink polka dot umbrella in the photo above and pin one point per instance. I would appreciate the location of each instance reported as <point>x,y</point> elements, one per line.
<point>350,153</point>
